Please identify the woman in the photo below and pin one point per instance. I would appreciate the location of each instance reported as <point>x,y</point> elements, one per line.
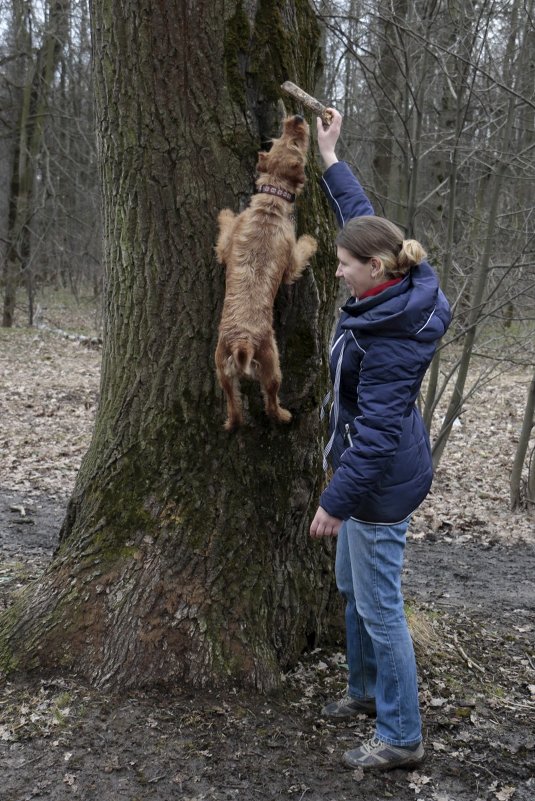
<point>379,450</point>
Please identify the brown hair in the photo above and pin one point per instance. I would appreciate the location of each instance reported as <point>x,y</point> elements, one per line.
<point>369,236</point>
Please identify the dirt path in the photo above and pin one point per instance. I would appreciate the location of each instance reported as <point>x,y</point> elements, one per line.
<point>486,579</point>
<point>60,740</point>
<point>469,582</point>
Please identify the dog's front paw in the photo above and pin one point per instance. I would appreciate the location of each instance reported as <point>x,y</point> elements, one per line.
<point>308,245</point>
<point>304,249</point>
<point>225,217</point>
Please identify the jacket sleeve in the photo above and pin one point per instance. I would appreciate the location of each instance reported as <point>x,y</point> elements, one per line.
<point>386,392</point>
<point>344,192</point>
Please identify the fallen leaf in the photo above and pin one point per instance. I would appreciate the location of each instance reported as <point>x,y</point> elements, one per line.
<point>439,746</point>
<point>438,702</point>
<point>505,793</point>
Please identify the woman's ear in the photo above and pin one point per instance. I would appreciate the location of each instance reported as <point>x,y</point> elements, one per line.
<point>376,265</point>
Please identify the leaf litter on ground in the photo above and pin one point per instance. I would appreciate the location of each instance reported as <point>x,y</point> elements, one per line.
<point>220,745</point>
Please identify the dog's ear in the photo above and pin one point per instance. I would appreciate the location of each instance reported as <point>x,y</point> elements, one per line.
<point>262,163</point>
<point>297,171</point>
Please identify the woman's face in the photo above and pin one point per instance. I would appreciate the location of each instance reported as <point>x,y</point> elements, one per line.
<point>358,275</point>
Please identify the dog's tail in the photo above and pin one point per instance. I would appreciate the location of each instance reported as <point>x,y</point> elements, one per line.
<point>240,360</point>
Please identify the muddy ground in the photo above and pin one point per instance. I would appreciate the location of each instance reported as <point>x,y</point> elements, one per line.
<point>470,587</point>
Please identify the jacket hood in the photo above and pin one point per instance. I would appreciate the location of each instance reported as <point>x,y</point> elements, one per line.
<point>416,308</point>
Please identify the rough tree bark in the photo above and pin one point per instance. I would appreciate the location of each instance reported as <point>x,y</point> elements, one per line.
<point>184,555</point>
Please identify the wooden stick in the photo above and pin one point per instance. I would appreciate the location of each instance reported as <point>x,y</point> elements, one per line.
<point>469,661</point>
<point>308,101</point>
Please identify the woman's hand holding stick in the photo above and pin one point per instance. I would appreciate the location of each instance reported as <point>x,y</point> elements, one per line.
<point>308,101</point>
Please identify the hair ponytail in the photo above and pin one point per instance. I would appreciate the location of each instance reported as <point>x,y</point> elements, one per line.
<point>411,253</point>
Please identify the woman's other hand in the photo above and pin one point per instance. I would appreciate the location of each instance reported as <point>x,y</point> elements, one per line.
<point>324,525</point>
<point>328,137</point>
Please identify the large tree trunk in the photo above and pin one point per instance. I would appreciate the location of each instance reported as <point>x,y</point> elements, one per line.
<point>184,554</point>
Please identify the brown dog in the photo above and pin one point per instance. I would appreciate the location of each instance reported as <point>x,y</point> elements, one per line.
<point>259,249</point>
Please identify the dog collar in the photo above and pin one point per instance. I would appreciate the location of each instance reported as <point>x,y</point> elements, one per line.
<point>268,189</point>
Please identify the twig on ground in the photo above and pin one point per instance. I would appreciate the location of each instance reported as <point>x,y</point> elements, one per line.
<point>469,661</point>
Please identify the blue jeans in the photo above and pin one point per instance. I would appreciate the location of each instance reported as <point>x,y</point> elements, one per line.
<point>380,654</point>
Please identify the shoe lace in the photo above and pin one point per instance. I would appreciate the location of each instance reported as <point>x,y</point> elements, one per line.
<point>371,745</point>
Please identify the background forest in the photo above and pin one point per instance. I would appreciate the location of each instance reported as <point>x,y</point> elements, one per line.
<point>439,104</point>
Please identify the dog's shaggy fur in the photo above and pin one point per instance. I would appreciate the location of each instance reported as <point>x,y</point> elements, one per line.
<point>260,251</point>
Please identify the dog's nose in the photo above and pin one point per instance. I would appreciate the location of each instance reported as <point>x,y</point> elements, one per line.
<point>299,118</point>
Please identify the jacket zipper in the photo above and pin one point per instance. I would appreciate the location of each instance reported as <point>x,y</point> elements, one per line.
<point>348,435</point>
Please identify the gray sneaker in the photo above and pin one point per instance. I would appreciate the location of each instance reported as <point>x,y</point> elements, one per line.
<point>348,707</point>
<point>376,755</point>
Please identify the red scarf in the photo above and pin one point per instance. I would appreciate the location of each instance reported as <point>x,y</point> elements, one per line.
<point>376,289</point>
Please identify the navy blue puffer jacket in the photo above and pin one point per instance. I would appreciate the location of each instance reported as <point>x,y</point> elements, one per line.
<point>382,346</point>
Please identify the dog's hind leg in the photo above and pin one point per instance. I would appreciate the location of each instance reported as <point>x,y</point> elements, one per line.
<point>229,382</point>
<point>269,375</point>
<point>231,389</point>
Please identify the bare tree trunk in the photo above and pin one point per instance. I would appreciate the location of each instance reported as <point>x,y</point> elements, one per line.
<point>447,164</point>
<point>522,447</point>
<point>389,77</point>
<point>494,187</point>
<point>34,105</point>
<point>184,555</point>
<point>477,299</point>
